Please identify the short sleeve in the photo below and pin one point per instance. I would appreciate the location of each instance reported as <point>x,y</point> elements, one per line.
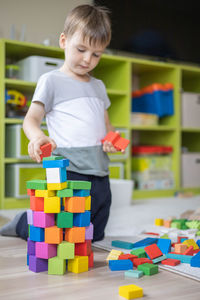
<point>104,95</point>
<point>44,92</point>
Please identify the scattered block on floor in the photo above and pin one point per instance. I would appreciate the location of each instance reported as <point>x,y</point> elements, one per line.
<point>191,242</point>
<point>170,262</point>
<point>134,273</point>
<point>120,265</point>
<point>78,265</point>
<point>130,291</point>
<point>122,244</point>
<point>141,260</point>
<point>180,248</point>
<point>164,245</point>
<point>148,269</point>
<point>183,258</point>
<point>139,253</point>
<point>189,251</point>
<point>158,259</point>
<point>127,256</point>
<point>153,251</point>
<point>195,260</point>
<point>56,266</point>
<point>145,242</point>
<point>114,255</point>
<point>159,222</point>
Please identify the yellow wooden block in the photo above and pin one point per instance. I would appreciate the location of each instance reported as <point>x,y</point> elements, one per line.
<point>57,186</point>
<point>88,203</point>
<point>191,242</point>
<point>78,265</point>
<point>52,204</point>
<point>113,255</point>
<point>45,193</point>
<point>159,222</point>
<point>130,291</point>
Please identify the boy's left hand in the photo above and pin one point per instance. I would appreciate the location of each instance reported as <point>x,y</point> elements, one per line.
<point>108,147</point>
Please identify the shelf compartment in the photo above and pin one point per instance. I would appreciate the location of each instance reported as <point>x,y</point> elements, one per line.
<point>191,79</point>
<point>20,85</point>
<point>15,203</point>
<point>191,140</point>
<point>144,194</point>
<point>153,128</point>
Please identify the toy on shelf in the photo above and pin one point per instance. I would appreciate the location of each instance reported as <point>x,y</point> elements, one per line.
<point>116,140</point>
<point>156,99</point>
<point>15,103</point>
<point>60,231</point>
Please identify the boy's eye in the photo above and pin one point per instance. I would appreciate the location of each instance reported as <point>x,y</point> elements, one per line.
<point>80,50</point>
<point>96,55</point>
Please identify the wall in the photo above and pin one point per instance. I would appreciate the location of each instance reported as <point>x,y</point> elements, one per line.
<point>43,19</point>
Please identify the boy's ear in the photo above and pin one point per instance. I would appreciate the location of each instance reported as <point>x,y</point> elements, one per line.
<point>62,41</point>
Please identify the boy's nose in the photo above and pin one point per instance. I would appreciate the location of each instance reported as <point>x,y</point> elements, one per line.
<point>87,58</point>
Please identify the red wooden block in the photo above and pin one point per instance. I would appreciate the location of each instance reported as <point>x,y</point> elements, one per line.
<point>181,237</point>
<point>37,203</point>
<point>91,260</point>
<point>170,262</point>
<point>189,251</point>
<point>83,249</point>
<point>153,251</point>
<point>121,144</point>
<point>196,251</point>
<point>141,260</point>
<point>30,192</point>
<point>46,150</point>
<point>127,256</point>
<point>111,137</point>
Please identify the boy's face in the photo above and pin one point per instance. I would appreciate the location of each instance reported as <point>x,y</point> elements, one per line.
<point>80,56</point>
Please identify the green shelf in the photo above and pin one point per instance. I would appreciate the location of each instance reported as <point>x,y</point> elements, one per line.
<point>117,72</point>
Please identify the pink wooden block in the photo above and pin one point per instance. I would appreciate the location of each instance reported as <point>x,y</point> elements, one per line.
<point>89,232</point>
<point>44,250</point>
<point>29,216</point>
<point>40,219</point>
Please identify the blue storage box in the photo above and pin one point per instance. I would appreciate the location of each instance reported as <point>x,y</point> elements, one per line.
<point>154,99</point>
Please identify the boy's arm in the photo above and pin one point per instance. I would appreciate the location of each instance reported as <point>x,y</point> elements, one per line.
<point>107,146</point>
<point>31,127</point>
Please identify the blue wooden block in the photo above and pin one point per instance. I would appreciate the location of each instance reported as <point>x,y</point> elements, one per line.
<point>198,243</point>
<point>27,260</point>
<point>81,193</point>
<point>122,244</point>
<point>145,242</point>
<point>164,245</point>
<point>183,258</point>
<point>195,261</point>
<point>62,163</point>
<point>82,219</point>
<point>36,234</point>
<point>63,174</point>
<point>120,265</point>
<point>159,259</point>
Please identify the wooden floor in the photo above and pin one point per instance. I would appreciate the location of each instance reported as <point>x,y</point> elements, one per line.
<point>17,282</point>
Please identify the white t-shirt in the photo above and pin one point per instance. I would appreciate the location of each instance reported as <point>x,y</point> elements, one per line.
<point>75,119</point>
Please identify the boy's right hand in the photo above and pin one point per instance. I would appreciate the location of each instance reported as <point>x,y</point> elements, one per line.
<point>35,144</point>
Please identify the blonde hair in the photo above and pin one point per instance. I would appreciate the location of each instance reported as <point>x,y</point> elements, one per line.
<point>92,22</point>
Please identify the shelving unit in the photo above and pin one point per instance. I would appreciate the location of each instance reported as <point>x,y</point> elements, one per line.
<point>117,73</point>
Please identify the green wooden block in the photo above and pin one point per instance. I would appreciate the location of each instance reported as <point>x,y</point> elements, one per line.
<point>36,184</point>
<point>79,185</point>
<point>53,158</point>
<point>56,266</point>
<point>139,252</point>
<point>64,219</point>
<point>66,250</point>
<point>134,273</point>
<point>148,269</point>
<point>175,225</point>
<point>164,236</point>
<point>65,193</point>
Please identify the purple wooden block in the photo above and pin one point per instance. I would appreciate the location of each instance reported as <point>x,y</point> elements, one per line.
<point>89,232</point>
<point>29,216</point>
<point>30,247</point>
<point>43,220</point>
<point>37,264</point>
<point>44,250</point>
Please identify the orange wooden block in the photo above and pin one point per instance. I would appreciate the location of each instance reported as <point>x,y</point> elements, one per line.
<point>167,223</point>
<point>36,203</point>
<point>75,234</point>
<point>75,204</point>
<point>53,235</point>
<point>180,248</point>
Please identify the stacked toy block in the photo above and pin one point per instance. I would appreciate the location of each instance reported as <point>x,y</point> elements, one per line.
<point>60,231</point>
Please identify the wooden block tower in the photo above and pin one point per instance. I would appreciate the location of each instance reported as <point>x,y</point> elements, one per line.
<point>60,231</point>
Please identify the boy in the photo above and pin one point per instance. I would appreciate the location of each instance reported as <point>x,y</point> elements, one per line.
<point>75,105</point>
